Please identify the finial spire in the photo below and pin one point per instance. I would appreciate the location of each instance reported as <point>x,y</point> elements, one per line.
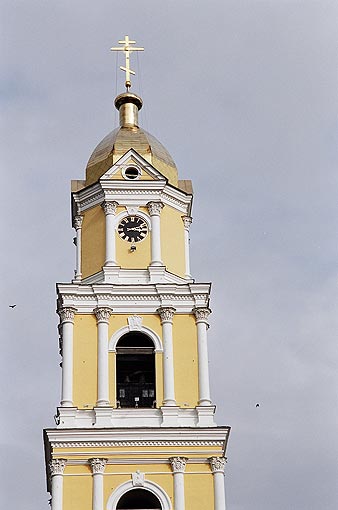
<point>127,49</point>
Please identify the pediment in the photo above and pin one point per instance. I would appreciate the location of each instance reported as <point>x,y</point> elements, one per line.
<point>133,167</point>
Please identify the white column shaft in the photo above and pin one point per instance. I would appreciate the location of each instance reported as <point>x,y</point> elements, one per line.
<point>179,501</point>
<point>203,364</point>
<point>102,364</point>
<point>219,491</point>
<point>187,253</point>
<point>67,365</point>
<point>57,492</point>
<point>168,365</point>
<point>78,268</point>
<point>110,240</point>
<point>156,240</point>
<point>98,491</point>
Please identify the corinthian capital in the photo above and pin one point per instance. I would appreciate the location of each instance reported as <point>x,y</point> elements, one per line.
<point>217,464</point>
<point>57,466</point>
<point>66,314</point>
<point>187,221</point>
<point>77,222</point>
<point>166,313</point>
<point>155,208</point>
<point>178,464</point>
<point>202,314</point>
<point>109,207</point>
<point>103,313</point>
<point>97,465</point>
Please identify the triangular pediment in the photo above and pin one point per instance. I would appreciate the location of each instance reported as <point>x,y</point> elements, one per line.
<point>133,167</point>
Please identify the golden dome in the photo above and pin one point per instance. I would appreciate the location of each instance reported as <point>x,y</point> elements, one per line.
<point>129,136</point>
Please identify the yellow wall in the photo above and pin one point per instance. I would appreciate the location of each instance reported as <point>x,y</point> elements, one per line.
<point>172,240</point>
<point>93,241</point>
<point>185,360</point>
<point>85,361</point>
<point>77,490</point>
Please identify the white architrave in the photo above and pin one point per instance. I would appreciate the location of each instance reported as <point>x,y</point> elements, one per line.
<point>187,221</point>
<point>57,467</point>
<point>178,467</point>
<point>201,317</point>
<point>217,465</point>
<point>110,210</point>
<point>77,225</point>
<point>102,316</point>
<point>154,209</point>
<point>143,329</point>
<point>167,314</point>
<point>67,326</point>
<point>150,486</point>
<point>97,466</point>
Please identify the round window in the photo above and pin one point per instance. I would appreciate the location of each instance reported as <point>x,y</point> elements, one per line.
<point>131,172</point>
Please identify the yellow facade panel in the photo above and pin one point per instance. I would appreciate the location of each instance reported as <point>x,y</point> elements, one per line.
<point>93,241</point>
<point>85,361</point>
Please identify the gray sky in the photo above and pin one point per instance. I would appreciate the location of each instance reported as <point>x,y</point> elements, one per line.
<point>243,94</point>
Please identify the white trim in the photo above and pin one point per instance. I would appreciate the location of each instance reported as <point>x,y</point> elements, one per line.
<point>143,329</point>
<point>138,161</point>
<point>148,485</point>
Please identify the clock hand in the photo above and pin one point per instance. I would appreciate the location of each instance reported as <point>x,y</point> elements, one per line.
<point>138,229</point>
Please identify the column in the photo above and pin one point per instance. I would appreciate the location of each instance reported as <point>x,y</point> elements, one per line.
<point>110,210</point>
<point>97,466</point>
<point>187,221</point>
<point>178,467</point>
<point>154,209</point>
<point>167,315</point>
<point>57,467</point>
<point>77,224</point>
<point>67,326</point>
<point>217,465</point>
<point>201,317</point>
<point>102,316</point>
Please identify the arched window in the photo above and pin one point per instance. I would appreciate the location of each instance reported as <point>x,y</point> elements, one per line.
<point>135,371</point>
<point>139,499</point>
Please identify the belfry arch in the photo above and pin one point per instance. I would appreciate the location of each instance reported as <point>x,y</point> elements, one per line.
<point>150,493</point>
<point>135,371</point>
<point>139,499</point>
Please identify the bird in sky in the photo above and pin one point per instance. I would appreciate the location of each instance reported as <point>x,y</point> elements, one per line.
<point>257,405</point>
<point>12,306</point>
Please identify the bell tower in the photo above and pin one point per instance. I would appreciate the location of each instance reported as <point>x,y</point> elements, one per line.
<point>135,427</point>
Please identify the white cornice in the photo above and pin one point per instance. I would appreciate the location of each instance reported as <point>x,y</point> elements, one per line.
<point>131,298</point>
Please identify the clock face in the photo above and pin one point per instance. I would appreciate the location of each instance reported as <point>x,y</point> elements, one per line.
<point>132,229</point>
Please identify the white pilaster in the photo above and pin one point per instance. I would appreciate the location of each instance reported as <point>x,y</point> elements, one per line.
<point>167,315</point>
<point>77,225</point>
<point>154,209</point>
<point>178,467</point>
<point>102,316</point>
<point>201,317</point>
<point>217,465</point>
<point>110,210</point>
<point>187,221</point>
<point>57,467</point>
<point>67,327</point>
<point>97,466</point>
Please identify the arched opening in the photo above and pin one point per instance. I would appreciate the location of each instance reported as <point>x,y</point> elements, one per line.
<point>139,499</point>
<point>135,371</point>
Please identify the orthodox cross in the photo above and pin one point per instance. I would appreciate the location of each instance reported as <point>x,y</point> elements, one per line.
<point>127,49</point>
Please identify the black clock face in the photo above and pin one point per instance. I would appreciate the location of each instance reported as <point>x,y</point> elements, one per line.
<point>132,229</point>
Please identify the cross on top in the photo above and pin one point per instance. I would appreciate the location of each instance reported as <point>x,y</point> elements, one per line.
<point>127,49</point>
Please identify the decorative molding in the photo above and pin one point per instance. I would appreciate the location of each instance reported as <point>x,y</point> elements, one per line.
<point>202,314</point>
<point>187,221</point>
<point>178,464</point>
<point>109,207</point>
<point>140,443</point>
<point>77,222</point>
<point>67,314</point>
<point>217,464</point>
<point>148,485</point>
<point>97,465</point>
<point>103,313</point>
<point>57,466</point>
<point>137,479</point>
<point>135,322</point>
<point>155,208</point>
<point>166,313</point>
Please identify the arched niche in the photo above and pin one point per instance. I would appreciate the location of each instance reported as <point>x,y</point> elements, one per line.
<point>151,487</point>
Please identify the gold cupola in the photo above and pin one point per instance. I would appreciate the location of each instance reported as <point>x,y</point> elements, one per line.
<point>127,136</point>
